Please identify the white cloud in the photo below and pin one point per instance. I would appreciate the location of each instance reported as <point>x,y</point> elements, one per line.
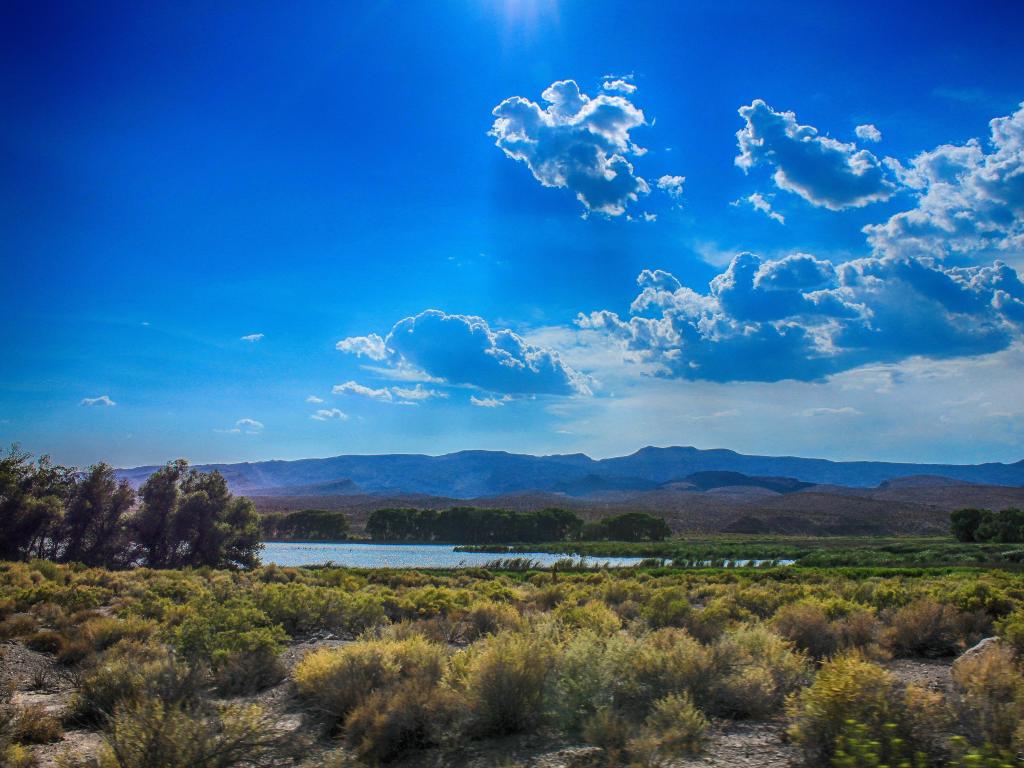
<point>825,172</point>
<point>575,142</point>
<point>355,388</point>
<point>252,337</point>
<point>371,346</point>
<point>418,393</point>
<point>314,399</point>
<point>970,199</point>
<point>672,186</point>
<point>760,203</point>
<point>464,349</point>
<point>804,318</point>
<point>102,400</point>
<point>489,402</point>
<point>249,426</point>
<point>327,414</point>
<point>618,85</point>
<point>868,132</point>
<point>828,411</point>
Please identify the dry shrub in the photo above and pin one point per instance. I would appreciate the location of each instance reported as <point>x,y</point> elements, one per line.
<point>152,734</point>
<point>849,688</point>
<point>673,729</point>
<point>807,626</point>
<point>35,725</point>
<point>924,628</point>
<point>126,675</point>
<point>756,671</point>
<point>488,618</point>
<point>594,616</point>
<point>336,680</point>
<point>990,696</point>
<point>391,722</point>
<point>505,679</point>
<point>45,641</point>
<point>18,625</point>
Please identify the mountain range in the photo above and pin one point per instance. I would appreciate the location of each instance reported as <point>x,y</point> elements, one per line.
<point>474,474</point>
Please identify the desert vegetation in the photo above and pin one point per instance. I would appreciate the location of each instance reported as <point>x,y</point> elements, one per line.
<point>635,666</point>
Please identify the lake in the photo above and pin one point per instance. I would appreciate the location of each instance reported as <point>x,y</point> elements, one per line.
<point>359,555</point>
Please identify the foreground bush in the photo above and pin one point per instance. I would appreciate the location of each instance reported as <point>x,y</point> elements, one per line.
<point>157,735</point>
<point>334,681</point>
<point>505,679</point>
<point>850,688</point>
<point>990,697</point>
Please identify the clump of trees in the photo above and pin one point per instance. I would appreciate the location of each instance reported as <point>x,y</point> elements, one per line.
<point>305,525</point>
<point>631,526</point>
<point>180,517</point>
<point>470,525</point>
<point>1004,527</point>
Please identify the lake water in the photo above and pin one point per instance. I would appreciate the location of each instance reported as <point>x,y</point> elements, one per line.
<point>357,555</point>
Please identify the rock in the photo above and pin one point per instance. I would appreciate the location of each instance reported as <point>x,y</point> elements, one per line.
<point>981,648</point>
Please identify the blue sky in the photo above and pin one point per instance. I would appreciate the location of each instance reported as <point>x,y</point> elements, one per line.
<point>237,234</point>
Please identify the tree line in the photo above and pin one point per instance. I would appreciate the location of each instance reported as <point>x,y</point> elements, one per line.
<point>305,525</point>
<point>472,525</point>
<point>1003,527</point>
<point>179,517</point>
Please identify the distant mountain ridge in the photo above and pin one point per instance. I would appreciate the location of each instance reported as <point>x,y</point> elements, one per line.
<point>471,474</point>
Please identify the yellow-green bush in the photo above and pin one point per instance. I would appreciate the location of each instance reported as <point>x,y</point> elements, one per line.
<point>674,728</point>
<point>505,679</point>
<point>925,628</point>
<point>990,696</point>
<point>335,680</point>
<point>851,688</point>
<point>755,671</point>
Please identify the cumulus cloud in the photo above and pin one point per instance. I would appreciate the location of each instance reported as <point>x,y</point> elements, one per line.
<point>355,388</point>
<point>326,414</point>
<point>248,426</point>
<point>252,338</point>
<point>488,402</point>
<point>314,399</point>
<point>464,349</point>
<point>803,318</point>
<point>103,400</point>
<point>759,202</point>
<point>868,132</point>
<point>970,198</point>
<point>371,346</point>
<point>672,186</point>
<point>825,172</point>
<point>575,142</point>
<point>846,410</point>
<point>618,85</point>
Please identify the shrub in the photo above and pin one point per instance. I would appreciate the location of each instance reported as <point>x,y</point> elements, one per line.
<point>1011,629</point>
<point>153,734</point>
<point>924,628</point>
<point>45,641</point>
<point>392,722</point>
<point>990,695</point>
<point>667,607</point>
<point>674,728</point>
<point>126,675</point>
<point>18,625</point>
<point>851,688</point>
<point>665,662</point>
<point>505,679</point>
<point>489,618</point>
<point>35,725</point>
<point>757,670</point>
<point>594,616</point>
<point>336,680</point>
<point>588,676</point>
<point>807,626</point>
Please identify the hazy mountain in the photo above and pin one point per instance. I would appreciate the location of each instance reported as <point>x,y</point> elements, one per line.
<point>470,474</point>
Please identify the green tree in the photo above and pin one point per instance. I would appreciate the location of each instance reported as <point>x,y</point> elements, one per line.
<point>94,529</point>
<point>963,523</point>
<point>190,518</point>
<point>32,497</point>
